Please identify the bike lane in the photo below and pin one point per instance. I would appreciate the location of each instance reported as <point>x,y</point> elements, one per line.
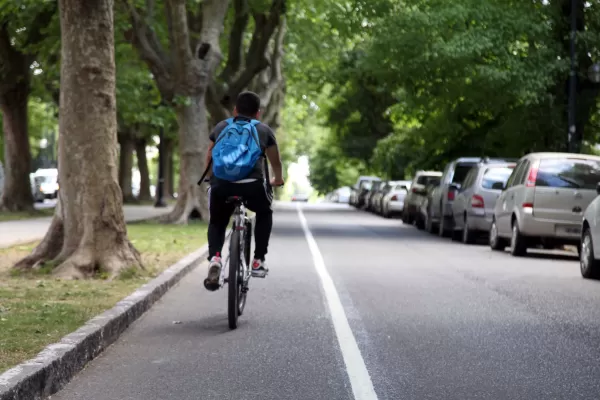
<point>284,348</point>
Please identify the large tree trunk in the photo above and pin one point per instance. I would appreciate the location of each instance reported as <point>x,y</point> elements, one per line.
<point>90,213</point>
<point>193,142</point>
<point>16,194</point>
<point>126,166</point>
<point>169,169</point>
<point>142,159</point>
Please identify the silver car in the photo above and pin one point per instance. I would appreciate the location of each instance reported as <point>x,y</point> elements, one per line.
<point>473,207</point>
<point>543,201</point>
<point>392,202</point>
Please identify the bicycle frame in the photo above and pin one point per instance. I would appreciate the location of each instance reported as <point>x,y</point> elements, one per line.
<point>240,218</point>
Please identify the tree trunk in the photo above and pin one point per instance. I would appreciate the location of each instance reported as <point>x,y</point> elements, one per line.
<point>193,143</point>
<point>126,167</point>
<point>90,212</point>
<point>169,185</point>
<point>142,159</point>
<point>16,194</point>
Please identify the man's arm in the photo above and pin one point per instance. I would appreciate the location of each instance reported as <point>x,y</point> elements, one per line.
<point>208,159</point>
<point>275,159</point>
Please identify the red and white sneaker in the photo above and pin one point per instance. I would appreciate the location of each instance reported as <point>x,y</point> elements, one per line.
<point>214,273</point>
<point>258,269</point>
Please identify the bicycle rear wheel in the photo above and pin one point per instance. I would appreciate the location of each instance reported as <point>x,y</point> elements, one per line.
<point>235,280</point>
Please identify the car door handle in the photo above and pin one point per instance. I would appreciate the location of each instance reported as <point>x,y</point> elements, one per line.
<point>577,209</point>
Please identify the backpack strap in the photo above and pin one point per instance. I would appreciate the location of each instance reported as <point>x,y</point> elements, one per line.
<point>254,131</point>
<point>230,123</point>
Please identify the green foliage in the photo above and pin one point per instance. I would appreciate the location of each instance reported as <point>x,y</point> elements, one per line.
<point>431,80</point>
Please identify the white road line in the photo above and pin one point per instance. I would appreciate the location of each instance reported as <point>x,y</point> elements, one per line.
<point>362,387</point>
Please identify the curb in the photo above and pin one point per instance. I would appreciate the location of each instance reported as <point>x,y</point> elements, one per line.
<point>58,363</point>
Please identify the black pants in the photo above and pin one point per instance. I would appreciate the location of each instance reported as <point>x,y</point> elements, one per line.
<point>257,199</point>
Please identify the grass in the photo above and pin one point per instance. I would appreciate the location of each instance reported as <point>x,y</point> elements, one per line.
<point>15,216</point>
<point>36,309</point>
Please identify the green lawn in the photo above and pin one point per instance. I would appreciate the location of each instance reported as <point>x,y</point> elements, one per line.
<point>13,216</point>
<point>37,309</point>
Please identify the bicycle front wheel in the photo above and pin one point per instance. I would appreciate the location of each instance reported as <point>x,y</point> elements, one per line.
<point>234,288</point>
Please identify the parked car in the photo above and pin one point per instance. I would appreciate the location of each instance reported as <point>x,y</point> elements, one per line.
<point>413,201</point>
<point>48,178</point>
<point>392,202</point>
<point>589,256</point>
<point>36,189</point>
<point>341,195</point>
<point>473,207</point>
<point>371,192</point>
<point>443,195</point>
<point>359,191</point>
<point>377,197</point>
<point>543,201</point>
<point>422,220</point>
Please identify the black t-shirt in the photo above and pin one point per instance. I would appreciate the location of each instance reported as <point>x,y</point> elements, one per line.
<point>266,138</point>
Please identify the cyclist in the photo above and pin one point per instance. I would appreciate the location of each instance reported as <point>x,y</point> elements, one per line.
<point>254,189</point>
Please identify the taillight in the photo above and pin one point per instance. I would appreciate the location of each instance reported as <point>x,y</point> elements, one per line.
<point>532,178</point>
<point>394,198</point>
<point>527,208</point>
<point>477,201</point>
<point>451,195</point>
<point>415,190</point>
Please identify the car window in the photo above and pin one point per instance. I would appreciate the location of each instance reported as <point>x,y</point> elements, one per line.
<point>470,178</point>
<point>460,172</point>
<point>422,180</point>
<point>513,176</point>
<point>523,173</point>
<point>495,174</point>
<point>568,173</point>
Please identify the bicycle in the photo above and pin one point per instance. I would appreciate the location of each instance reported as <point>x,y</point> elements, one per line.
<point>238,262</point>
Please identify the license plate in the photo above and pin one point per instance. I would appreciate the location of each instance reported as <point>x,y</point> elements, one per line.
<point>569,230</point>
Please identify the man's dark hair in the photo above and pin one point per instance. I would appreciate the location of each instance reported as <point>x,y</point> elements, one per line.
<point>248,104</point>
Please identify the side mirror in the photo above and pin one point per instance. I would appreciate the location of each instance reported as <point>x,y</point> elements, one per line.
<point>455,186</point>
<point>598,188</point>
<point>500,186</point>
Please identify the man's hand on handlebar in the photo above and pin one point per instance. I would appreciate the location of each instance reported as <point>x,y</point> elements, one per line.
<point>277,182</point>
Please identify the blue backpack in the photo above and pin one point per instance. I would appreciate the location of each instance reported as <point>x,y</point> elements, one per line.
<point>236,150</point>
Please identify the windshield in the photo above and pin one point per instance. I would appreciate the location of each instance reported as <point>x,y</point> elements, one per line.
<point>495,174</point>
<point>45,179</point>
<point>569,173</point>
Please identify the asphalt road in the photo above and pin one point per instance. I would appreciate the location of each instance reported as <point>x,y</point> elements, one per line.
<point>419,318</point>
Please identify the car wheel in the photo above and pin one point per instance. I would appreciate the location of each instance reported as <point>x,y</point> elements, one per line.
<point>429,226</point>
<point>387,213</point>
<point>442,231</point>
<point>496,242</point>
<point>590,267</point>
<point>518,245</point>
<point>468,235</point>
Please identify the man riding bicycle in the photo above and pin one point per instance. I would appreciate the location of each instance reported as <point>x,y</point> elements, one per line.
<point>237,151</point>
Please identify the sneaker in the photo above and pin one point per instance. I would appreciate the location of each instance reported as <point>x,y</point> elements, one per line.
<point>258,269</point>
<point>214,273</point>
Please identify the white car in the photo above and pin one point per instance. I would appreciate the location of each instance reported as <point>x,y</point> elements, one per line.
<point>48,179</point>
<point>393,201</point>
<point>589,255</point>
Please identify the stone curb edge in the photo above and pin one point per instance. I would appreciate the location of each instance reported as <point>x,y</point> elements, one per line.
<point>58,363</point>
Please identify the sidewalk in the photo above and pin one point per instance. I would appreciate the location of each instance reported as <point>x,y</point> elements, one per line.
<point>23,231</point>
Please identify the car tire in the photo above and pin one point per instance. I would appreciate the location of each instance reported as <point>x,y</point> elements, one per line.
<point>589,266</point>
<point>420,224</point>
<point>429,225</point>
<point>442,231</point>
<point>518,243</point>
<point>468,235</point>
<point>497,243</point>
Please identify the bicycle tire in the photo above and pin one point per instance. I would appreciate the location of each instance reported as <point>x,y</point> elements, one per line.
<point>234,280</point>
